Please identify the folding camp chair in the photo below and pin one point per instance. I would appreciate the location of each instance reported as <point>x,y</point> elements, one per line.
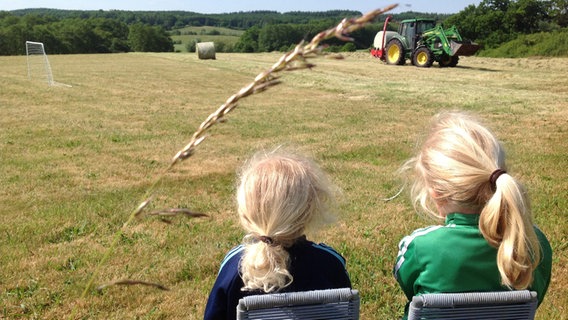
<point>318,304</point>
<point>518,305</point>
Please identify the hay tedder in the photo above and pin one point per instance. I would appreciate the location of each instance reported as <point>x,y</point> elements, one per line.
<point>423,42</point>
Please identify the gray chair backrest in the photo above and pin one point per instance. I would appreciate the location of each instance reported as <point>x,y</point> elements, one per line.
<point>317,304</point>
<point>518,305</point>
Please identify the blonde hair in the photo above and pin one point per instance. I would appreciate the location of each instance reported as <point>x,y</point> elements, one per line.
<point>281,195</point>
<point>455,164</point>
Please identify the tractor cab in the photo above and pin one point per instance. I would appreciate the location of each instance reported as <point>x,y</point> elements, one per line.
<point>412,30</point>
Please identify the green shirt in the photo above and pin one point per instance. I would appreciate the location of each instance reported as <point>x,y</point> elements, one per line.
<point>456,258</point>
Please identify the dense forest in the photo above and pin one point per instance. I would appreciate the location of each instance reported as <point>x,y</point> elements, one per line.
<point>491,23</point>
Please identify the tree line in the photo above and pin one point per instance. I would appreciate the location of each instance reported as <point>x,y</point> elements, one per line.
<point>491,23</point>
<point>283,37</point>
<point>79,35</point>
<point>170,20</point>
<point>72,31</point>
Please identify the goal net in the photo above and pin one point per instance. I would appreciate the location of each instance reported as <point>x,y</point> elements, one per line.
<point>38,65</point>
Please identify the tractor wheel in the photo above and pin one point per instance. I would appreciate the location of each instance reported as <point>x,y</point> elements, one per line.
<point>447,61</point>
<point>454,62</point>
<point>395,52</point>
<point>423,57</point>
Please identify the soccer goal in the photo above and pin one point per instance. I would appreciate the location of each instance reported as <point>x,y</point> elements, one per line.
<point>38,64</point>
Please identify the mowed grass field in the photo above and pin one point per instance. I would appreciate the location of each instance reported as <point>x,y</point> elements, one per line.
<point>76,161</point>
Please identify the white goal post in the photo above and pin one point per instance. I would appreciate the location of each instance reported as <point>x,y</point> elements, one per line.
<point>38,65</point>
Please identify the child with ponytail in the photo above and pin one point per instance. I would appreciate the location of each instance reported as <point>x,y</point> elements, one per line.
<point>488,241</point>
<point>281,197</point>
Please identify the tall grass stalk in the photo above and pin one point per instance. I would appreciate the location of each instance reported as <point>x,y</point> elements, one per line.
<point>294,60</point>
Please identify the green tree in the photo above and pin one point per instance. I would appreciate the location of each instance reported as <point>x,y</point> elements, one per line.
<point>78,36</point>
<point>558,10</point>
<point>524,16</point>
<point>275,36</point>
<point>144,38</point>
<point>248,42</point>
<point>494,22</point>
<point>45,34</point>
<point>466,21</point>
<point>13,36</point>
<point>15,31</point>
<point>113,35</point>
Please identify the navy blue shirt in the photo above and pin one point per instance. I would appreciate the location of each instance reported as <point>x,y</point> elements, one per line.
<point>313,266</point>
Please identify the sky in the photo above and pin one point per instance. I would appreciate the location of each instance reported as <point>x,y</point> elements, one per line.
<point>226,6</point>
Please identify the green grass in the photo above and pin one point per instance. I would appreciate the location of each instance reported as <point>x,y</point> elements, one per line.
<point>77,160</point>
<point>542,44</point>
<point>182,37</point>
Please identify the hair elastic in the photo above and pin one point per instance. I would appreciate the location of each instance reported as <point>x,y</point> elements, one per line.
<point>494,176</point>
<point>266,239</point>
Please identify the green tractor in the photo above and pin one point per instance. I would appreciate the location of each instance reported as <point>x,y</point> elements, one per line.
<point>423,42</point>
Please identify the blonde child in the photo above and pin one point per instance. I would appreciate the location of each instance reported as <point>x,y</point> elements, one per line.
<point>280,197</point>
<point>488,241</point>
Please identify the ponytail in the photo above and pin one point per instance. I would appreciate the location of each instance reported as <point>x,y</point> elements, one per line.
<point>506,224</point>
<point>264,266</point>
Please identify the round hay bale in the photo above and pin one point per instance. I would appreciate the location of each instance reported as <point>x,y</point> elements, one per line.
<point>205,50</point>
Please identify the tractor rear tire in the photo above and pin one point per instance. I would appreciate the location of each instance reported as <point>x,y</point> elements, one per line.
<point>447,61</point>
<point>423,57</point>
<point>395,52</point>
